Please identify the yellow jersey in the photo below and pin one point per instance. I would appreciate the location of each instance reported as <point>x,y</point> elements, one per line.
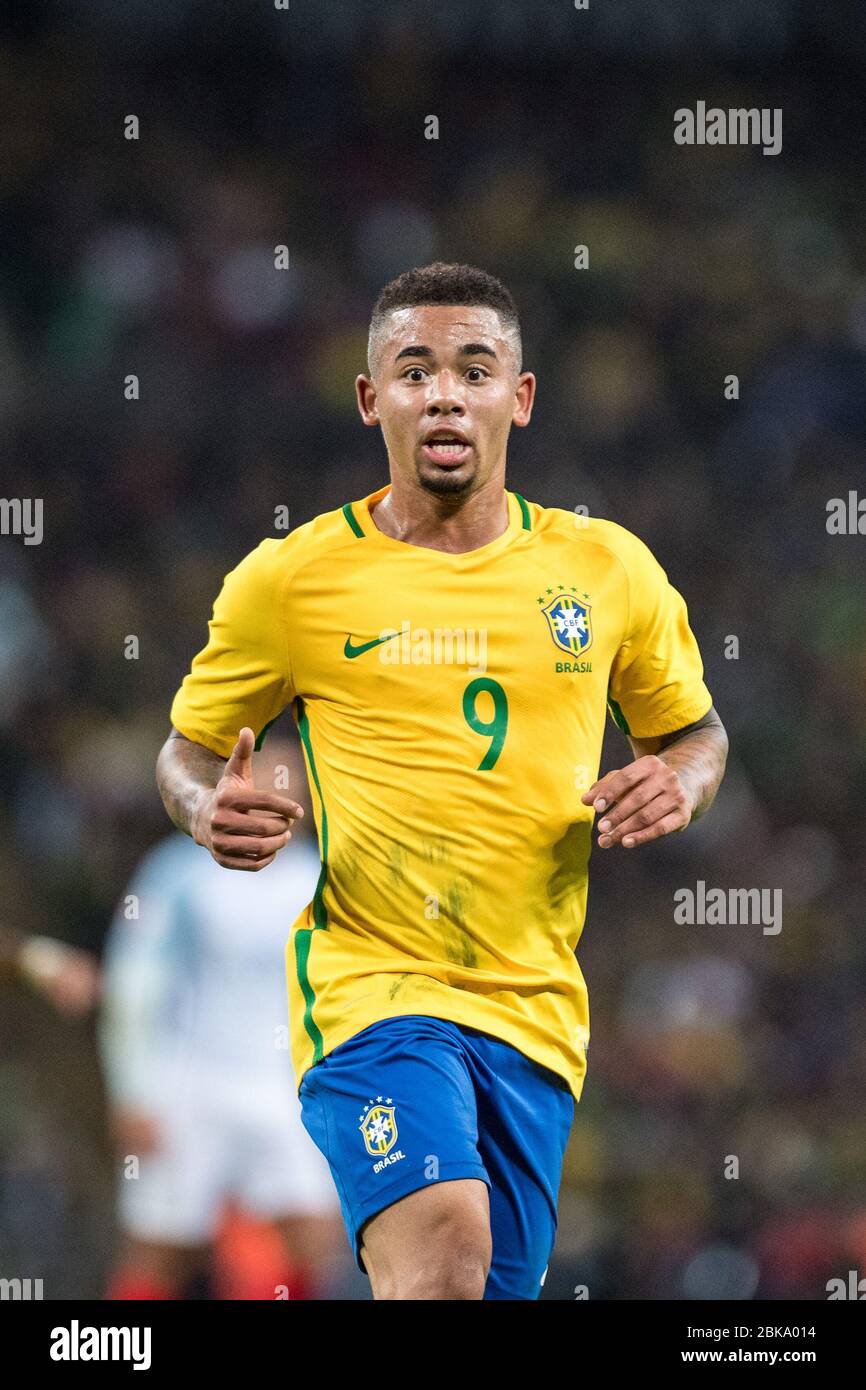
<point>451,710</point>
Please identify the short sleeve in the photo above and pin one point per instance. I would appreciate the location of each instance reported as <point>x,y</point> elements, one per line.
<point>656,681</point>
<point>242,676</point>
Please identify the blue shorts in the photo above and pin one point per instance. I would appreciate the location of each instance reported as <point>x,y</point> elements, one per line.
<point>414,1100</point>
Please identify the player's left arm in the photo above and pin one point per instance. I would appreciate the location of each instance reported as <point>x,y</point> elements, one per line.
<point>672,781</point>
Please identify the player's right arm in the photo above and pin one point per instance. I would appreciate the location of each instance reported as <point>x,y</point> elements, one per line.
<point>237,685</point>
<point>216,802</point>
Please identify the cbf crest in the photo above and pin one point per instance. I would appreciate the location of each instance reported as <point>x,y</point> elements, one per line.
<point>378,1127</point>
<point>570,623</point>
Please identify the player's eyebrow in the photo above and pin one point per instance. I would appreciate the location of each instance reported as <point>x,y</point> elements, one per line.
<point>467,350</point>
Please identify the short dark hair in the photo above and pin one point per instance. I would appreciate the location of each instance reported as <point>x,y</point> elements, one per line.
<point>441,283</point>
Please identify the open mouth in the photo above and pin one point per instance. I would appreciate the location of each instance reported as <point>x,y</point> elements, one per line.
<point>447,449</point>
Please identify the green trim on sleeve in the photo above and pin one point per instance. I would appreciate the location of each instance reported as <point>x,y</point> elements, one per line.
<point>619,718</point>
<point>261,738</point>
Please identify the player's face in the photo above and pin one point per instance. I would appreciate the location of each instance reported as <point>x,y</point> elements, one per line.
<point>446,371</point>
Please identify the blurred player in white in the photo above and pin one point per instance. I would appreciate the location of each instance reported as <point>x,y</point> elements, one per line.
<point>194,1040</point>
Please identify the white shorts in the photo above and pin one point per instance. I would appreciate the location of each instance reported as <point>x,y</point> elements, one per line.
<point>223,1139</point>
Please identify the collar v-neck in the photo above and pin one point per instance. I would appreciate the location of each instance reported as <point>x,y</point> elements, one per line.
<point>360,521</point>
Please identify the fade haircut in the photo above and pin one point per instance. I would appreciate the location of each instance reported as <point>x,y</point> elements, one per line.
<point>440,283</point>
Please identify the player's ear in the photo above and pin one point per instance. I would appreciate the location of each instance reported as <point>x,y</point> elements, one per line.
<point>524,397</point>
<point>366,394</point>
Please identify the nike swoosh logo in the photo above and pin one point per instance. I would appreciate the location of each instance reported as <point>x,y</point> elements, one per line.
<point>352,652</point>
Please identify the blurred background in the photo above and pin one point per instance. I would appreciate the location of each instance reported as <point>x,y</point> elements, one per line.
<point>305,127</point>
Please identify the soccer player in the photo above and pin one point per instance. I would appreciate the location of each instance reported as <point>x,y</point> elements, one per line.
<point>449,651</point>
<point>193,1036</point>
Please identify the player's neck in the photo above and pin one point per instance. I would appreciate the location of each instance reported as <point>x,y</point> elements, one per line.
<point>409,513</point>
